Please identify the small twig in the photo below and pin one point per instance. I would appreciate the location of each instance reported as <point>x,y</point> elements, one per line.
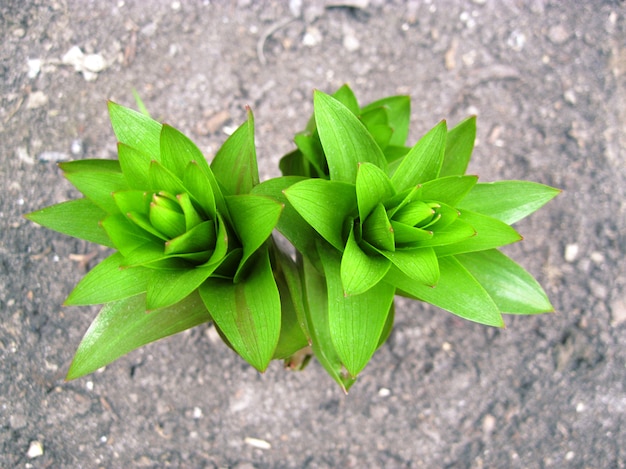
<point>14,111</point>
<point>265,36</point>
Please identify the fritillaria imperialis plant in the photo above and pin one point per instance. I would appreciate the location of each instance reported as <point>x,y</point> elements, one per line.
<point>368,216</point>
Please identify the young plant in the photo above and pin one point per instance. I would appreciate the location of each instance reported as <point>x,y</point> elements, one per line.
<point>369,217</point>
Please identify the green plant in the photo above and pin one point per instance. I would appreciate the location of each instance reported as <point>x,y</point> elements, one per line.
<point>369,217</point>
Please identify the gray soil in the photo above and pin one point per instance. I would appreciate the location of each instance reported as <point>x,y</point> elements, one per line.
<point>548,83</point>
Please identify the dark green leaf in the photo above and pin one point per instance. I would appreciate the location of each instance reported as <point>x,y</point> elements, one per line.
<point>123,326</point>
<point>345,139</point>
<point>508,201</point>
<point>108,282</point>
<point>136,130</point>
<point>457,292</point>
<point>235,165</point>
<point>423,161</point>
<point>199,185</point>
<point>325,205</point>
<point>512,288</point>
<point>459,147</point>
<point>248,313</point>
<point>79,218</point>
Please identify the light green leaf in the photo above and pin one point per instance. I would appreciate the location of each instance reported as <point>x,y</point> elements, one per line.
<point>248,313</point>
<point>316,308</point>
<point>235,165</point>
<point>345,139</point>
<point>398,113</point>
<point>459,147</point>
<point>133,201</point>
<point>406,236</point>
<point>373,187</point>
<point>169,222</point>
<point>360,271</point>
<point>355,322</point>
<point>377,230</point>
<point>136,130</point>
<point>325,205</point>
<point>123,326</point>
<point>192,217</point>
<point>512,288</point>
<point>254,218</point>
<point>419,264</point>
<point>457,292</point>
<point>125,235</point>
<point>162,179</point>
<point>490,233</point>
<point>201,237</point>
<point>79,218</point>
<point>108,282</point>
<point>177,151</point>
<point>199,185</point>
<point>346,96</point>
<point>449,190</point>
<point>135,166</point>
<point>423,161</point>
<point>168,287</point>
<point>508,201</point>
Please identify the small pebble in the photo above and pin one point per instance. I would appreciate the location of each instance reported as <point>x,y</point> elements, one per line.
<point>597,257</point>
<point>569,456</point>
<point>570,96</point>
<point>384,392</point>
<point>76,148</point>
<point>19,32</point>
<point>571,252</point>
<point>34,450</point>
<point>36,100</point>
<point>312,37</point>
<point>34,67</point>
<point>558,34</point>
<point>197,413</point>
<point>489,424</point>
<point>580,407</point>
<point>618,311</point>
<point>257,443</point>
<point>22,155</point>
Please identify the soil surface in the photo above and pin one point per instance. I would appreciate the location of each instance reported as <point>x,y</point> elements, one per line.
<point>547,81</point>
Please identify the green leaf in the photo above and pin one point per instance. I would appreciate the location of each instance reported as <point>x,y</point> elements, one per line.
<point>125,235</point>
<point>449,190</point>
<point>512,288</point>
<point>423,161</point>
<point>311,148</point>
<point>201,237</point>
<point>162,179</point>
<point>490,233</point>
<point>406,236</point>
<point>248,313</point>
<point>316,308</point>
<point>325,205</point>
<point>96,182</point>
<point>508,201</point>
<point>398,113</point>
<point>355,322</point>
<point>372,188</point>
<point>413,213</point>
<point>419,264</point>
<point>192,217</point>
<point>204,188</point>
<point>457,292</point>
<point>136,130</point>
<point>377,230</point>
<point>79,218</point>
<point>135,166</point>
<point>123,326</point>
<point>167,221</point>
<point>139,102</point>
<point>133,201</point>
<point>361,271</point>
<point>254,218</point>
<point>108,282</point>
<point>235,165</point>
<point>177,151</point>
<point>346,96</point>
<point>345,139</point>
<point>168,287</point>
<point>459,147</point>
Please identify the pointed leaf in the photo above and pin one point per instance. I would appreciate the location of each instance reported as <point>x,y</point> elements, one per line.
<point>325,205</point>
<point>459,147</point>
<point>346,96</point>
<point>398,114</point>
<point>345,139</point>
<point>123,326</point>
<point>361,271</point>
<point>199,185</point>
<point>508,201</point>
<point>409,235</point>
<point>135,166</point>
<point>108,282</point>
<point>355,322</point>
<point>133,201</point>
<point>512,288</point>
<point>235,165</point>
<point>136,130</point>
<point>168,287</point>
<point>457,292</point>
<point>419,264</point>
<point>377,230</point>
<point>254,218</point>
<point>449,190</point>
<point>79,218</point>
<point>177,151</point>
<point>248,313</point>
<point>373,187</point>
<point>423,161</point>
<point>201,237</point>
<point>124,234</point>
<point>490,233</point>
<point>162,179</point>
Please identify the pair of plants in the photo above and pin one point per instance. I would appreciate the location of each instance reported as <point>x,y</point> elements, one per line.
<point>368,216</point>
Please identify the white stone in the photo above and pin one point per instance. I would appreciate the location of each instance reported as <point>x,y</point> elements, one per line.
<point>34,450</point>
<point>257,443</point>
<point>571,252</point>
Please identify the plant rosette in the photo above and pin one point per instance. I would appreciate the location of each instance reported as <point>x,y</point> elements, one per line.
<point>369,217</point>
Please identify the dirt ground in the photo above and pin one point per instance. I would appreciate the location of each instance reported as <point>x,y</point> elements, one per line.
<point>548,83</point>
